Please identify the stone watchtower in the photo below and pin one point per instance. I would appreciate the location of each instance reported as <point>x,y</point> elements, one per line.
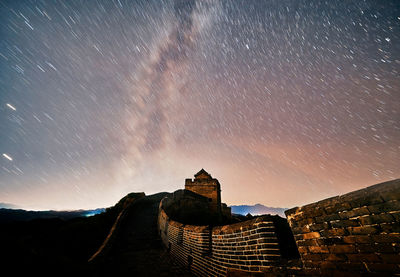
<point>209,187</point>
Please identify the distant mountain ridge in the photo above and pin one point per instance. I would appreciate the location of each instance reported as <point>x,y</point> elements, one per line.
<point>8,206</point>
<point>257,209</point>
<point>13,215</point>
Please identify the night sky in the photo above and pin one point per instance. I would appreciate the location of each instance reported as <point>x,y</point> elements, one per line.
<point>285,102</point>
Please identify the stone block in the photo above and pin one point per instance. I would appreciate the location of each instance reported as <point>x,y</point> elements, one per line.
<point>396,215</point>
<point>392,205</point>
<point>366,200</point>
<point>327,218</point>
<point>344,223</point>
<point>334,232</point>
<point>382,267</point>
<point>390,258</point>
<point>359,257</point>
<point>351,266</point>
<point>308,242</point>
<point>318,249</point>
<point>364,230</point>
<point>386,238</point>
<point>312,257</point>
<point>344,206</point>
<point>330,241</point>
<point>336,257</point>
<point>376,219</point>
<point>328,265</point>
<point>311,235</point>
<point>346,248</point>
<point>318,227</point>
<point>390,227</point>
<point>357,239</point>
<point>376,248</point>
<point>301,229</point>
<point>356,212</point>
<point>390,195</point>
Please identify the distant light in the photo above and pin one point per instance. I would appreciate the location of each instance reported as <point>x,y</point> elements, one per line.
<point>11,107</point>
<point>94,212</point>
<point>7,157</point>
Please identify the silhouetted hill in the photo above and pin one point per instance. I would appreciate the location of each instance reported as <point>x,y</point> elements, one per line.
<point>53,243</point>
<point>257,209</point>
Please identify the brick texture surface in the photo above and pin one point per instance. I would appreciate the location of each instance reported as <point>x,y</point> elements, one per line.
<point>249,246</point>
<point>354,234</point>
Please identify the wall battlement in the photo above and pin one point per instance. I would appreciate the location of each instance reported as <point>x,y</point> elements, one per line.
<point>249,246</point>
<point>350,235</point>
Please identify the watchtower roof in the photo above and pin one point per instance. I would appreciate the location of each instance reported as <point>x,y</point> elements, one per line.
<point>202,174</point>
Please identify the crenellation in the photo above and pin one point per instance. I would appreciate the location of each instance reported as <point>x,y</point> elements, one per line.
<point>356,234</point>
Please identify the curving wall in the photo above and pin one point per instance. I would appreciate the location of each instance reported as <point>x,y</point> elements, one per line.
<point>249,246</point>
<point>356,234</point>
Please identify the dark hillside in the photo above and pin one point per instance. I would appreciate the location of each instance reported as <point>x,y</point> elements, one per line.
<point>55,246</point>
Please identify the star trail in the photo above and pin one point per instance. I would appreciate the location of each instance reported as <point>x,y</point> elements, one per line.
<point>285,102</point>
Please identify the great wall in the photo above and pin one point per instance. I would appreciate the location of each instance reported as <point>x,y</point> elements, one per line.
<point>356,234</point>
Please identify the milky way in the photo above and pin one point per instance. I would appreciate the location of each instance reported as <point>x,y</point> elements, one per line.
<point>285,102</point>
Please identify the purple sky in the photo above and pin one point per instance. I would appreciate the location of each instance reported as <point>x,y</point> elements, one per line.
<point>285,102</point>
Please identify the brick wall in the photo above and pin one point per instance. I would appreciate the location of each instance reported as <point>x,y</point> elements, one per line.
<point>354,234</point>
<point>249,246</point>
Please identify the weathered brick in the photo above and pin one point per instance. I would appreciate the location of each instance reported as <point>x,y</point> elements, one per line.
<point>344,223</point>
<point>254,268</point>
<point>312,257</point>
<point>317,227</point>
<point>334,232</point>
<point>327,218</point>
<point>308,242</point>
<point>357,239</point>
<point>337,257</point>
<point>337,208</point>
<point>255,262</point>
<point>327,265</point>
<point>313,212</point>
<point>391,258</point>
<point>383,267</point>
<point>390,195</point>
<point>396,215</point>
<point>341,273</point>
<point>330,241</point>
<point>354,213</point>
<point>364,230</point>
<point>342,249</point>
<point>353,266</point>
<point>367,200</point>
<point>377,247</point>
<point>375,219</point>
<point>363,257</point>
<point>390,227</point>
<point>386,238</point>
<point>311,235</point>
<point>301,229</point>
<point>311,272</point>
<point>318,249</point>
<point>311,264</point>
<point>389,206</point>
